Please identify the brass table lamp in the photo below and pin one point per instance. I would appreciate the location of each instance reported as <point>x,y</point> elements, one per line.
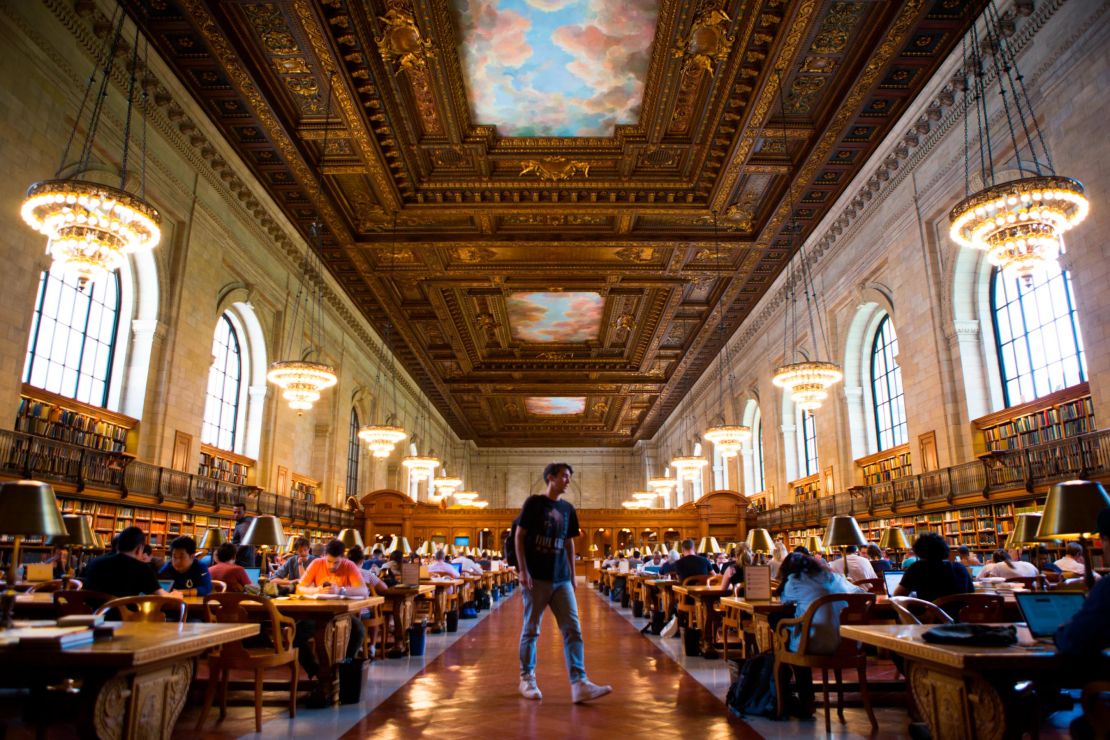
<point>1071,512</point>
<point>760,542</point>
<point>427,549</point>
<point>894,538</point>
<point>843,531</point>
<point>350,538</point>
<point>212,539</point>
<point>708,544</point>
<point>814,544</point>
<point>27,507</point>
<point>81,538</point>
<point>264,532</point>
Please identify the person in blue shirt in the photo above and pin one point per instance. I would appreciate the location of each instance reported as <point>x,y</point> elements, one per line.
<point>189,577</point>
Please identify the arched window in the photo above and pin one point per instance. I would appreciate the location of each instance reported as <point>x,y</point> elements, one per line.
<point>888,401</point>
<point>809,445</point>
<point>73,336</point>
<point>760,477</point>
<point>352,455</point>
<point>225,380</point>
<point>1040,349</point>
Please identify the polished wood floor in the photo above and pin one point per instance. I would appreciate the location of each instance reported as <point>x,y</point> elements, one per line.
<point>471,690</point>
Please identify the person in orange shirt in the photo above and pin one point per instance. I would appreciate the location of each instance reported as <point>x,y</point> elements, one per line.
<point>331,574</point>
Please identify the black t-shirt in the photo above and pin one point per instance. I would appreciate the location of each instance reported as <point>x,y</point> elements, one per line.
<point>244,556</point>
<point>547,525</point>
<point>931,579</point>
<point>691,565</point>
<point>197,576</point>
<point>120,575</point>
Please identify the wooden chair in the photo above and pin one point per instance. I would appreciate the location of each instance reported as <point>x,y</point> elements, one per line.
<point>79,602</point>
<point>1030,582</point>
<point>146,609</point>
<point>733,619</point>
<point>219,587</point>
<point>918,611</point>
<point>853,609</point>
<point>46,587</point>
<point>228,608</point>
<point>977,608</point>
<point>873,585</point>
<point>687,605</point>
<point>375,620</point>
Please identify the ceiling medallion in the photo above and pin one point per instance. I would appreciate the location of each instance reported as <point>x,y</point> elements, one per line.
<point>554,168</point>
<point>708,43</point>
<point>402,43</point>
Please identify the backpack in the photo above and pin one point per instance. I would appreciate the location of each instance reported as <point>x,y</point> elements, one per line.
<point>753,694</point>
<point>509,547</point>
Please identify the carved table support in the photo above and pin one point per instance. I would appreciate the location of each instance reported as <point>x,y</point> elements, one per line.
<point>965,705</point>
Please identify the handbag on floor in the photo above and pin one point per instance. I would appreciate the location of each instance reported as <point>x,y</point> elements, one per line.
<point>670,629</point>
<point>753,693</point>
<point>692,642</point>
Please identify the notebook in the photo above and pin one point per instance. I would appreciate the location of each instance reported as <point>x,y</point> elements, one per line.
<point>253,574</point>
<point>1044,613</point>
<point>893,578</point>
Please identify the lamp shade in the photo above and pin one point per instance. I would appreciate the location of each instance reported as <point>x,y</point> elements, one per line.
<point>894,538</point>
<point>212,539</point>
<point>427,549</point>
<point>843,530</point>
<point>1025,531</point>
<point>265,531</point>
<point>709,544</point>
<point>1072,510</point>
<point>81,533</point>
<point>759,540</point>
<point>28,507</point>
<point>350,538</point>
<point>814,544</point>
<point>400,543</point>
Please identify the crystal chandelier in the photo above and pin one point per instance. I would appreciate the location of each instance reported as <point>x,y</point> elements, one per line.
<point>420,467</point>
<point>663,485</point>
<point>445,484</point>
<point>647,497</point>
<point>634,504</point>
<point>463,497</point>
<point>381,439</point>
<point>91,227</point>
<point>728,440</point>
<point>807,381</point>
<point>689,467</point>
<point>302,380</point>
<point>1018,223</point>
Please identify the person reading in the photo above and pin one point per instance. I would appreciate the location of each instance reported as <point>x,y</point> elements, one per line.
<point>227,570</point>
<point>331,574</point>
<point>189,577</point>
<point>123,572</point>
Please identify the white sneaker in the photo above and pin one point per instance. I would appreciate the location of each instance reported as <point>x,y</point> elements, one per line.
<point>529,689</point>
<point>583,690</point>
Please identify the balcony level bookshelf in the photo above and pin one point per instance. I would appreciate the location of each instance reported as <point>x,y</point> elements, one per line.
<point>225,466</point>
<point>885,466</point>
<point>1066,413</point>
<point>303,488</point>
<point>806,489</point>
<point>57,417</point>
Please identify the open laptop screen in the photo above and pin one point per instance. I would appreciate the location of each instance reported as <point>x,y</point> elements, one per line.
<point>457,567</point>
<point>253,574</point>
<point>893,578</point>
<point>975,570</point>
<point>1044,613</point>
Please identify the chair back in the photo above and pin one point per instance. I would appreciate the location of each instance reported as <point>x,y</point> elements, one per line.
<point>46,587</point>
<point>696,580</point>
<point>851,609</point>
<point>79,602</point>
<point>874,585</point>
<point>228,608</point>
<point>977,608</point>
<point>714,581</point>
<point>146,609</point>
<point>218,587</point>
<point>910,610</point>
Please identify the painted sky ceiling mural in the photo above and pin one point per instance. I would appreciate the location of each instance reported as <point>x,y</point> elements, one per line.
<point>556,67</point>
<point>555,317</point>
<point>555,405</point>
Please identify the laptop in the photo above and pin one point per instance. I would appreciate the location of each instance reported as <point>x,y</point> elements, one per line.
<point>1044,613</point>
<point>893,578</point>
<point>253,574</point>
<point>166,585</point>
<point>975,570</point>
<point>457,567</point>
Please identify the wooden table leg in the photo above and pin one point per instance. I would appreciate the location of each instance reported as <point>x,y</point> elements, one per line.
<point>708,626</point>
<point>140,705</point>
<point>440,610</point>
<point>958,705</point>
<point>331,636</point>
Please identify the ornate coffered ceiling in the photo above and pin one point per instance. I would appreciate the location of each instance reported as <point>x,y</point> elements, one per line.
<point>463,238</point>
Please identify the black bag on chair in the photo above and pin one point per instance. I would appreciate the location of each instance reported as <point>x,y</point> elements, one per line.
<point>691,641</point>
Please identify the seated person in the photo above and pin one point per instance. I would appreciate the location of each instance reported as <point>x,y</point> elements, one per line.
<point>123,572</point>
<point>635,561</point>
<point>1003,566</point>
<point>966,556</point>
<point>376,559</point>
<point>854,566</point>
<point>227,570</point>
<point>668,567</point>
<point>1073,562</point>
<point>331,574</point>
<point>294,566</point>
<point>60,559</point>
<point>932,574</point>
<point>189,577</point>
<point>652,566</point>
<point>691,564</point>
<point>879,563</point>
<point>469,567</point>
<point>440,566</point>
<point>803,580</point>
<point>1044,561</point>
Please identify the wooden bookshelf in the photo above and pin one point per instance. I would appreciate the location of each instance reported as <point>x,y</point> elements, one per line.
<point>303,488</point>
<point>885,466</point>
<point>806,489</point>
<point>226,466</point>
<point>1065,413</point>
<point>50,415</point>
<point>161,525</point>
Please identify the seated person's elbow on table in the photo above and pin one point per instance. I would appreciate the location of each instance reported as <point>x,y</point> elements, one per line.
<point>901,590</point>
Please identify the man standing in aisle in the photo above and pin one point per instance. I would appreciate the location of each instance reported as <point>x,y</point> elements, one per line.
<point>545,556</point>
<point>244,556</point>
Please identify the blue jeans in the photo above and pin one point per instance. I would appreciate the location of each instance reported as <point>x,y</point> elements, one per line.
<point>560,597</point>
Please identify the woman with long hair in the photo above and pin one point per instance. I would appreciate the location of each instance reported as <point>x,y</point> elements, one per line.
<point>1003,566</point>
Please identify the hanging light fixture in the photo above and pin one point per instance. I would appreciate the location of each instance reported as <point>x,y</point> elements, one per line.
<point>303,380</point>
<point>445,484</point>
<point>807,381</point>
<point>689,467</point>
<point>91,227</point>
<point>420,467</point>
<point>727,439</point>
<point>382,438</point>
<point>662,485</point>
<point>1018,223</point>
